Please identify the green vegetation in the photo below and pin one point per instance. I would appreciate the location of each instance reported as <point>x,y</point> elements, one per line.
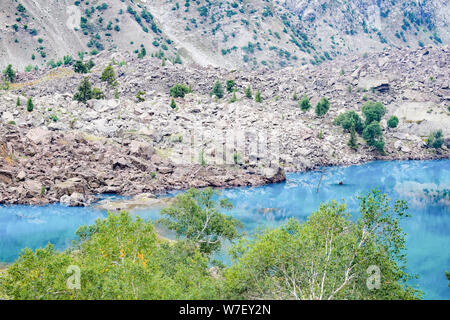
<point>373,111</point>
<point>304,103</point>
<point>140,96</point>
<point>30,105</point>
<point>322,107</point>
<point>80,67</point>
<point>258,97</point>
<point>348,120</point>
<point>374,136</point>
<point>327,257</point>
<point>392,122</point>
<point>84,91</point>
<point>230,85</point>
<point>179,90</point>
<point>173,105</point>
<point>108,75</point>
<point>435,139</point>
<point>248,92</point>
<point>217,90</point>
<point>9,74</point>
<point>353,141</point>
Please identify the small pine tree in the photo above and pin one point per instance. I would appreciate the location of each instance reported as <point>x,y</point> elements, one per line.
<point>84,91</point>
<point>177,59</point>
<point>295,97</point>
<point>304,103</point>
<point>108,75</point>
<point>173,105</point>
<point>30,105</point>
<point>217,90</point>
<point>233,98</point>
<point>230,85</point>
<point>352,143</point>
<point>322,107</point>
<point>258,97</point>
<point>248,92</point>
<point>18,102</point>
<point>10,74</point>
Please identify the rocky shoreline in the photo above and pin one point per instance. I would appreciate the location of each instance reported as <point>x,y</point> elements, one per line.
<point>70,152</point>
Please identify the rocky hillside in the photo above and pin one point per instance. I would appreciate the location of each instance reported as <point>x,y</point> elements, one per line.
<point>251,34</point>
<point>136,138</point>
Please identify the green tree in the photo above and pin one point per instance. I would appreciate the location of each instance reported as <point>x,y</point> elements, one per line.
<point>108,75</point>
<point>230,85</point>
<point>348,120</point>
<point>258,96</point>
<point>84,91</point>
<point>9,74</point>
<point>179,90</point>
<point>322,107</point>
<point>248,92</point>
<point>373,111</point>
<point>233,98</point>
<point>196,216</point>
<point>173,105</point>
<point>304,103</point>
<point>217,90</point>
<point>30,105</point>
<point>97,94</point>
<point>295,97</point>
<point>80,67</point>
<point>18,103</point>
<point>119,258</point>
<point>353,142</point>
<point>392,122</point>
<point>435,139</point>
<point>374,136</point>
<point>327,257</point>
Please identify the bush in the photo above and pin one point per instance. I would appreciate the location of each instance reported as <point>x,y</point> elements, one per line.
<point>230,85</point>
<point>373,111</point>
<point>248,92</point>
<point>353,142</point>
<point>374,136</point>
<point>173,105</point>
<point>348,120</point>
<point>84,91</point>
<point>179,90</point>
<point>108,75</point>
<point>304,103</point>
<point>258,97</point>
<point>30,105</point>
<point>80,67</point>
<point>9,74</point>
<point>140,96</point>
<point>435,140</point>
<point>322,107</point>
<point>97,94</point>
<point>217,90</point>
<point>392,122</point>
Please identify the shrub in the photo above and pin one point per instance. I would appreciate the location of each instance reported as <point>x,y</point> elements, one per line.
<point>248,92</point>
<point>353,142</point>
<point>258,97</point>
<point>233,98</point>
<point>392,122</point>
<point>80,67</point>
<point>84,91</point>
<point>108,75</point>
<point>18,102</point>
<point>322,107</point>
<point>348,120</point>
<point>217,90</point>
<point>179,90</point>
<point>304,103</point>
<point>435,139</point>
<point>30,105</point>
<point>97,94</point>
<point>374,136</point>
<point>140,96</point>
<point>173,105</point>
<point>9,74</point>
<point>373,111</point>
<point>230,85</point>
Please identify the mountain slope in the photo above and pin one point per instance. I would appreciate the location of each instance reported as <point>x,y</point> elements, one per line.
<point>238,34</point>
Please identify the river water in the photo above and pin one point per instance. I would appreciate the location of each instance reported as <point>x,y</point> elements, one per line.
<point>425,185</point>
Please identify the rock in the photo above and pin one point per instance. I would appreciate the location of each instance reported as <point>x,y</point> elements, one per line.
<point>21,175</point>
<point>141,149</point>
<point>6,177</point>
<point>39,135</point>
<point>74,200</point>
<point>33,187</point>
<point>70,186</point>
